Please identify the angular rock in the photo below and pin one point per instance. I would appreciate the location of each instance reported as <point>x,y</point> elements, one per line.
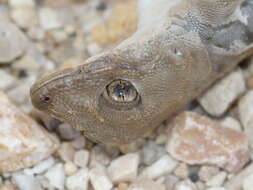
<point>182,171</point>
<point>6,79</point>
<point>161,167</point>
<point>99,178</point>
<point>245,109</point>
<point>207,172</point>
<point>13,43</point>
<point>23,143</point>
<point>124,168</point>
<point>81,158</point>
<point>217,99</point>
<point>49,19</point>
<point>26,182</point>
<point>21,3</point>
<point>196,139</point>
<point>185,185</point>
<point>66,152</point>
<point>24,17</point>
<point>231,123</point>
<point>41,167</point>
<point>78,180</point>
<point>248,182</point>
<point>152,152</point>
<point>236,182</point>
<point>146,185</point>
<point>217,180</point>
<point>70,168</point>
<point>56,176</point>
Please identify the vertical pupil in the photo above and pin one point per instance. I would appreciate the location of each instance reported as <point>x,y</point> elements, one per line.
<point>121,91</point>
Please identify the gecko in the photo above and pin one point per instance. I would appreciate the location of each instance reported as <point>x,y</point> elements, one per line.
<point>180,49</point>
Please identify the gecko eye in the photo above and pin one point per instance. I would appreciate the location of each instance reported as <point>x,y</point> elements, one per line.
<point>121,91</point>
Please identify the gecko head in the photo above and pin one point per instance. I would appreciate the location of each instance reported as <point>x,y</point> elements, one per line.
<point>117,97</point>
<point>109,98</point>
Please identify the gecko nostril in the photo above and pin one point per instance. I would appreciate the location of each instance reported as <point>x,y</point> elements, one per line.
<point>46,98</point>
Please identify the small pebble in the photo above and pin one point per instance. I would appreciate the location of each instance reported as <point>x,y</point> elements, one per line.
<point>207,172</point>
<point>24,17</point>
<point>56,176</point>
<point>79,180</point>
<point>217,180</point>
<point>26,182</point>
<point>146,185</point>
<point>218,98</point>
<point>182,171</point>
<point>245,109</point>
<point>78,143</point>
<point>66,152</point>
<point>248,182</point>
<point>21,3</point>
<point>161,167</point>
<point>236,182</point>
<point>41,167</point>
<point>81,158</point>
<point>151,152</point>
<point>6,80</point>
<point>70,168</point>
<point>49,19</point>
<point>13,42</point>
<point>67,132</point>
<point>124,168</point>
<point>231,123</point>
<point>99,178</point>
<point>185,185</point>
<point>98,156</point>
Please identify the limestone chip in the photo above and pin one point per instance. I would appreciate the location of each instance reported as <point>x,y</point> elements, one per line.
<point>196,139</point>
<point>23,143</point>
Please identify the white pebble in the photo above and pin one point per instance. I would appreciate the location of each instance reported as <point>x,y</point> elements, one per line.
<point>70,168</point>
<point>216,188</point>
<point>246,115</point>
<point>79,180</point>
<point>21,3</point>
<point>231,123</point>
<point>217,99</point>
<point>81,158</point>
<point>49,19</point>
<point>26,182</point>
<point>24,17</point>
<point>217,180</point>
<point>56,176</point>
<point>99,178</point>
<point>124,168</point>
<point>248,182</point>
<point>6,79</point>
<point>41,167</point>
<point>163,166</point>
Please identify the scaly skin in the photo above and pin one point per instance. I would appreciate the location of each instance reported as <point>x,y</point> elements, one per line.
<point>168,62</point>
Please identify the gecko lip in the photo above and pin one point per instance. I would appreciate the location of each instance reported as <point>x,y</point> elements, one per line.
<point>50,78</point>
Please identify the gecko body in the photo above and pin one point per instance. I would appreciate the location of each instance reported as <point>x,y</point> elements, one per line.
<point>181,47</point>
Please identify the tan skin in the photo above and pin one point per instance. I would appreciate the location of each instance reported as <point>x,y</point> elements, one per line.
<point>119,96</point>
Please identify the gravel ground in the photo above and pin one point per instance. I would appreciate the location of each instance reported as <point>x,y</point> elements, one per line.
<point>208,146</point>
